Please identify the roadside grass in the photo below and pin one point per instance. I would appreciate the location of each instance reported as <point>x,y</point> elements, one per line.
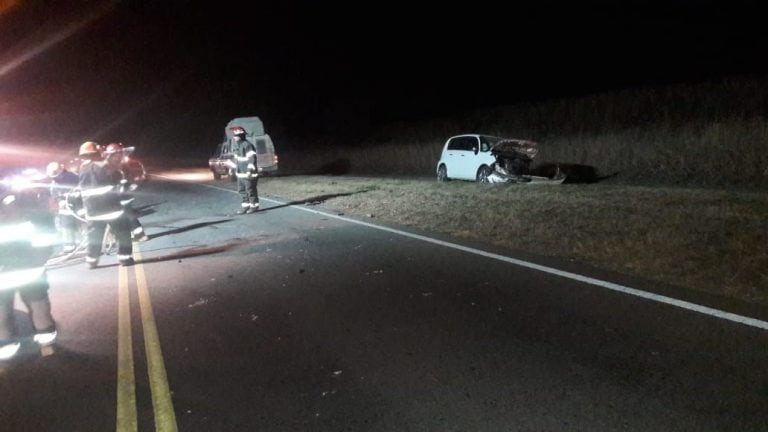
<point>702,239</point>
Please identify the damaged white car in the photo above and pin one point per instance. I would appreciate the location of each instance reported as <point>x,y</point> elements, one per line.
<point>490,159</point>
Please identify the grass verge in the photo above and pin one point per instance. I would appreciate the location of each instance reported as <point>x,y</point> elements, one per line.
<point>704,239</point>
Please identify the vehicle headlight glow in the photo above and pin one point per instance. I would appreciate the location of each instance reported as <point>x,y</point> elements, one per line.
<point>29,178</point>
<point>26,231</point>
<point>16,232</point>
<point>40,240</point>
<point>17,278</point>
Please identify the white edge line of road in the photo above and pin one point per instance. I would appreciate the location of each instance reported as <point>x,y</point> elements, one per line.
<point>574,276</point>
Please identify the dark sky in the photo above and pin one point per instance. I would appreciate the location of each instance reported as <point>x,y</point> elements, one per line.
<point>158,73</point>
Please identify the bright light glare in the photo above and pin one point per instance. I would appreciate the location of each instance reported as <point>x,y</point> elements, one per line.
<point>16,232</point>
<point>191,174</point>
<point>17,278</point>
<point>28,180</point>
<point>41,46</point>
<point>44,240</point>
<point>26,232</point>
<point>17,154</point>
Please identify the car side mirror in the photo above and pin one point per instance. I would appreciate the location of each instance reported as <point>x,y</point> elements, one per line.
<point>474,149</point>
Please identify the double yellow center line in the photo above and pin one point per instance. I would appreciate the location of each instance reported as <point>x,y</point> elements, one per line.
<point>127,418</point>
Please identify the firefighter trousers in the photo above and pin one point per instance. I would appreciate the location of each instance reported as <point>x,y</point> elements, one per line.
<point>121,229</point>
<point>35,298</point>
<point>248,190</point>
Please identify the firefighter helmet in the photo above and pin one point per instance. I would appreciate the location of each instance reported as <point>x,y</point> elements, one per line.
<point>113,148</point>
<point>89,148</point>
<point>237,130</point>
<point>53,169</point>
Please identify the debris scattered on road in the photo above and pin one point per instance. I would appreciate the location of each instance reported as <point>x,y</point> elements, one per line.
<point>200,302</point>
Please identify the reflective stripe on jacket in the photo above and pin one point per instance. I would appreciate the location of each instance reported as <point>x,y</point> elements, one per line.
<point>245,159</point>
<point>101,191</point>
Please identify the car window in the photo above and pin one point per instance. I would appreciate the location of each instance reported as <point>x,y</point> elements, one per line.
<point>455,144</point>
<point>462,143</point>
<point>472,144</point>
<point>261,146</point>
<point>487,142</point>
<point>469,143</point>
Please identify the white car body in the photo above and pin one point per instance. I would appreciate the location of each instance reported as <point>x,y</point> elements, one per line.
<point>466,157</point>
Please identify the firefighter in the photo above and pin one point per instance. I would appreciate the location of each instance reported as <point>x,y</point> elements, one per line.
<point>246,171</point>
<point>101,191</point>
<point>62,182</point>
<point>27,236</point>
<point>114,154</point>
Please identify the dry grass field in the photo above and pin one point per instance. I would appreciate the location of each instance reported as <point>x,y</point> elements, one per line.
<point>701,239</point>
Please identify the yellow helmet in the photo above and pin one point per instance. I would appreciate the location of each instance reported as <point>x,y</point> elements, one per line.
<point>89,148</point>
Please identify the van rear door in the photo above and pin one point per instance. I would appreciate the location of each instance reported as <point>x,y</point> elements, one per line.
<point>265,152</point>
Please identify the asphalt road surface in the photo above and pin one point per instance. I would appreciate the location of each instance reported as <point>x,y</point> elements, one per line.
<point>293,319</point>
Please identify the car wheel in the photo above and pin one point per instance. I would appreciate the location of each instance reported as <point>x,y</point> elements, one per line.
<point>483,173</point>
<point>232,176</point>
<point>216,176</point>
<point>442,174</point>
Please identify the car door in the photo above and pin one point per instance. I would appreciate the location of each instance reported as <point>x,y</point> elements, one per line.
<point>466,157</point>
<point>453,155</point>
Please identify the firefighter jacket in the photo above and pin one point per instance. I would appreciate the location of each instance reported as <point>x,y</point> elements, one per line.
<point>245,159</point>
<point>27,236</point>
<point>101,188</point>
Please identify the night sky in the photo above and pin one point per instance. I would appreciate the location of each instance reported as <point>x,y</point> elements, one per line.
<point>159,73</point>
